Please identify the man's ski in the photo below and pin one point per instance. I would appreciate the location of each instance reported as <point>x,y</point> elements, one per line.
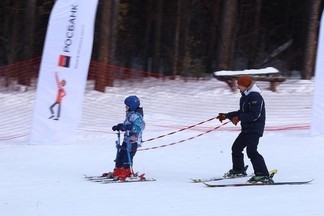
<point>197,180</point>
<point>225,176</point>
<point>258,184</point>
<point>271,173</point>
<point>216,179</point>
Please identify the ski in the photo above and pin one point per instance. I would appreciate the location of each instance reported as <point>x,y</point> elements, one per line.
<point>258,184</point>
<point>128,180</point>
<point>271,173</point>
<point>224,177</point>
<point>95,178</point>
<point>106,180</point>
<point>197,180</point>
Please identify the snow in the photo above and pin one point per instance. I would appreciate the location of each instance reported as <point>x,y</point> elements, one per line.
<point>47,180</point>
<point>268,70</point>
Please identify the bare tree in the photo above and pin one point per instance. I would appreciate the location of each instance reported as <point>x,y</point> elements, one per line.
<point>114,11</point>
<point>147,34</point>
<point>29,11</point>
<point>158,35</point>
<point>184,37</point>
<point>10,33</point>
<point>227,30</point>
<point>214,32</point>
<point>255,35</point>
<point>177,38</point>
<point>103,76</point>
<point>10,36</point>
<point>314,12</point>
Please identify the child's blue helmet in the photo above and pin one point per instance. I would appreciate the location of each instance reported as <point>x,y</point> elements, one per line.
<point>133,102</point>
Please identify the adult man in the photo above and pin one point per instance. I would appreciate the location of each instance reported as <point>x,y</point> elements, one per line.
<point>252,116</point>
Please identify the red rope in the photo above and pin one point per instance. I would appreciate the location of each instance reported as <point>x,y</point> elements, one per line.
<point>182,129</point>
<point>181,141</point>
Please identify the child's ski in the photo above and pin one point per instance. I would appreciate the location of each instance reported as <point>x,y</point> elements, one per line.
<point>106,180</point>
<point>128,180</point>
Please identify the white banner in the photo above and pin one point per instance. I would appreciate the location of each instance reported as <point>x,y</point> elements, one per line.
<point>63,72</point>
<point>318,102</point>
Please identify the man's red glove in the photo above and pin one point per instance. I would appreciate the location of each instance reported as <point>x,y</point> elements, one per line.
<point>235,120</point>
<point>221,117</point>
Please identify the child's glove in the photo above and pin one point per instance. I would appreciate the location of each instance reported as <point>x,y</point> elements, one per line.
<point>221,117</point>
<point>122,127</point>
<point>116,127</point>
<point>235,120</point>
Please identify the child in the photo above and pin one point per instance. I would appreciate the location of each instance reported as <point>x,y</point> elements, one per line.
<point>133,127</point>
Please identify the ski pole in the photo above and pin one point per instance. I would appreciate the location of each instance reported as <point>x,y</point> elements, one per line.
<point>117,144</point>
<point>128,149</point>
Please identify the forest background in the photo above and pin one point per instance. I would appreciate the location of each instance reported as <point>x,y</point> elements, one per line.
<point>186,38</point>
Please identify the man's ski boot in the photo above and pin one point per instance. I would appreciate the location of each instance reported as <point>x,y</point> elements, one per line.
<point>261,180</point>
<point>236,173</point>
<point>256,179</point>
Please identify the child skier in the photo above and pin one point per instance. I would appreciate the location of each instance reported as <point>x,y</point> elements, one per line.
<point>132,127</point>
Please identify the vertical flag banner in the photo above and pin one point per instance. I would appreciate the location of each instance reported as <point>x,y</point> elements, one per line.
<point>317,118</point>
<point>63,72</point>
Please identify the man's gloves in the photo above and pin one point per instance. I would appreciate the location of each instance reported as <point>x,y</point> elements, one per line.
<point>222,116</point>
<point>122,127</point>
<point>235,120</point>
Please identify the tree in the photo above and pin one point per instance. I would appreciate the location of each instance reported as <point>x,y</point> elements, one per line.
<point>147,33</point>
<point>214,32</point>
<point>177,38</point>
<point>157,35</point>
<point>29,11</point>
<point>227,30</point>
<point>9,36</point>
<point>11,26</point>
<point>314,10</point>
<point>103,76</point>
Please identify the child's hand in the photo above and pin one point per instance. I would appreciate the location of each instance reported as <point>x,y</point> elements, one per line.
<point>122,127</point>
<point>117,127</point>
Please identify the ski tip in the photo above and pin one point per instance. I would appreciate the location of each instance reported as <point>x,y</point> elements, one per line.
<point>311,180</point>
<point>272,173</point>
<point>195,180</point>
<point>86,176</point>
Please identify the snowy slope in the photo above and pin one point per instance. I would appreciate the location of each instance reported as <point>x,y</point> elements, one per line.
<point>47,180</point>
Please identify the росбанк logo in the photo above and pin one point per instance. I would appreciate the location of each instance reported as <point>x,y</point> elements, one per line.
<point>64,61</point>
